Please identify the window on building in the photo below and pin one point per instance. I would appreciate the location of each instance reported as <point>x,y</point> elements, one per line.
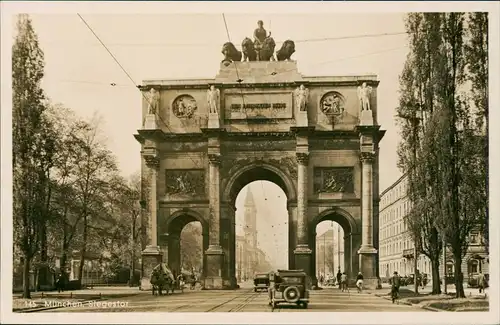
<point>474,238</point>
<point>473,266</point>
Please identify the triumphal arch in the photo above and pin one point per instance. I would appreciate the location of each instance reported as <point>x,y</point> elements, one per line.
<point>203,140</point>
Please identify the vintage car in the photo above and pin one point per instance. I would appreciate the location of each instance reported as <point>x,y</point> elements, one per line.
<point>261,282</point>
<point>288,286</point>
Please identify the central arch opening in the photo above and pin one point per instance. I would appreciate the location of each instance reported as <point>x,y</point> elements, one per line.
<point>329,252</point>
<point>261,223</point>
<point>261,230</point>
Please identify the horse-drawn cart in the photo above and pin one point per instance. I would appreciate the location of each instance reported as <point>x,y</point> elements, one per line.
<point>162,279</point>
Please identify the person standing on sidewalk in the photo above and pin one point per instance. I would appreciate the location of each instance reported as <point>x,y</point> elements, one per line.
<point>339,278</point>
<point>395,283</point>
<point>481,282</point>
<point>359,282</point>
<point>343,282</point>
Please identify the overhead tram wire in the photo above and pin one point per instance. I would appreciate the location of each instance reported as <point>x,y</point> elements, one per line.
<point>129,77</point>
<point>239,81</point>
<point>306,40</point>
<point>344,58</point>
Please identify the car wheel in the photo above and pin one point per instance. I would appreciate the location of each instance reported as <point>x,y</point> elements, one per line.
<point>275,304</point>
<point>291,294</point>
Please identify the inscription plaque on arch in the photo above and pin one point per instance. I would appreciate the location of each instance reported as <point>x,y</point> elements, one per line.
<point>259,104</point>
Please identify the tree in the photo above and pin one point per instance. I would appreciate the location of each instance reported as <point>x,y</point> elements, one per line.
<point>33,147</point>
<point>94,166</point>
<point>439,151</point>
<point>192,246</point>
<point>416,107</point>
<point>476,56</point>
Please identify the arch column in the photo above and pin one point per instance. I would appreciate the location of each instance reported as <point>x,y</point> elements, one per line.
<point>367,252</point>
<point>174,253</point>
<point>151,256</point>
<point>302,251</point>
<point>214,253</point>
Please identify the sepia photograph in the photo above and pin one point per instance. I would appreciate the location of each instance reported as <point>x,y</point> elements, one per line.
<point>246,159</point>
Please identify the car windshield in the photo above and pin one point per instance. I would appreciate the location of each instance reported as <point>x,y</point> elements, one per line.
<point>291,280</point>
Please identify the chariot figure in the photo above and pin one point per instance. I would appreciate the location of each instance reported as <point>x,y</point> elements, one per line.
<point>301,95</point>
<point>364,93</point>
<point>153,99</point>
<point>259,36</point>
<point>213,98</point>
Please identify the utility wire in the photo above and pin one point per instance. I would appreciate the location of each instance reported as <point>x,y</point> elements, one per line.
<point>306,40</point>
<point>128,75</point>
<point>235,67</point>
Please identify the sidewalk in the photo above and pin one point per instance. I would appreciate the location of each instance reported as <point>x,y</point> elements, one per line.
<point>45,300</point>
<point>473,301</point>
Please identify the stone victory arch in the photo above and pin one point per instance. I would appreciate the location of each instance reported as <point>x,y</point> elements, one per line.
<point>203,140</point>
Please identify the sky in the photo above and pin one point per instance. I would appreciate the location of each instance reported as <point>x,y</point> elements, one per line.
<point>272,220</point>
<point>79,72</point>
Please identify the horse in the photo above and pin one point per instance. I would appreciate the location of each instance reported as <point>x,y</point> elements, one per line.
<point>230,52</point>
<point>162,278</point>
<point>249,52</point>
<point>286,51</point>
<point>266,52</point>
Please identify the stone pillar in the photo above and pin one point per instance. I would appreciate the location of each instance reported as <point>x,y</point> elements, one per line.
<point>214,253</point>
<point>314,252</point>
<point>367,253</point>
<point>151,256</point>
<point>174,253</point>
<point>302,251</point>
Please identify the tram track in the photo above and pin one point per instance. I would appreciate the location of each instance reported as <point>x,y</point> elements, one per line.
<point>238,307</point>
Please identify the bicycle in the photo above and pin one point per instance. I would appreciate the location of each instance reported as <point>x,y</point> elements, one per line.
<point>394,294</point>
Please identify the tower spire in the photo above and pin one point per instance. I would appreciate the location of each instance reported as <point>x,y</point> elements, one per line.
<point>249,201</point>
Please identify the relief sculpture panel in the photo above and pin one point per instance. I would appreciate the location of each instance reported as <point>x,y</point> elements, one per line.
<point>333,180</point>
<point>286,164</point>
<point>185,182</point>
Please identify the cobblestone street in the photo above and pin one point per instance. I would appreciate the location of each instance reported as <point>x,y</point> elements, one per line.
<point>243,300</point>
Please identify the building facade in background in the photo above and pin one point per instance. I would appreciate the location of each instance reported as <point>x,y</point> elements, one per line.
<point>397,248</point>
<point>250,259</point>
<point>330,251</point>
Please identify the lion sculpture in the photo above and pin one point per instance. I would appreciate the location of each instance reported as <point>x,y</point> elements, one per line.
<point>230,52</point>
<point>286,51</point>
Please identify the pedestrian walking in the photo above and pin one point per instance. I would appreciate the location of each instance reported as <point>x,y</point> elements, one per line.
<point>181,281</point>
<point>395,284</point>
<point>339,278</point>
<point>481,282</point>
<point>359,282</point>
<point>343,282</point>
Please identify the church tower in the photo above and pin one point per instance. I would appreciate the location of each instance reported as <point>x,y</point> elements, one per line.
<point>250,217</point>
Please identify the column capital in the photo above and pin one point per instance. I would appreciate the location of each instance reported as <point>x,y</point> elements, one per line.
<point>302,158</point>
<point>214,159</point>
<point>367,157</point>
<point>152,162</point>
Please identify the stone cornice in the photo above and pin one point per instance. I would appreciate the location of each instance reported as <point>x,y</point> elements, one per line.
<point>160,136</point>
<point>373,130</point>
<point>309,82</point>
<point>200,203</point>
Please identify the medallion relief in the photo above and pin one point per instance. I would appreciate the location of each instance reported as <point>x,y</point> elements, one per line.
<point>333,180</point>
<point>185,182</point>
<point>332,103</point>
<point>184,106</point>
